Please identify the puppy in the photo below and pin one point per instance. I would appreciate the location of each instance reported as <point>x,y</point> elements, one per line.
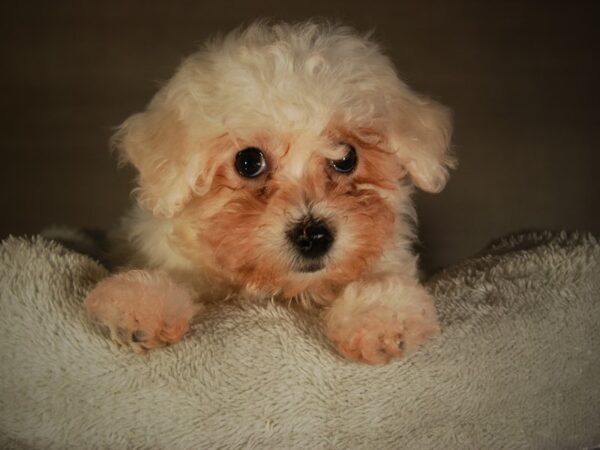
<point>279,162</point>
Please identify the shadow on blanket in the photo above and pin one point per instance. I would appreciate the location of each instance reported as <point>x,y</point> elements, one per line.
<point>516,365</point>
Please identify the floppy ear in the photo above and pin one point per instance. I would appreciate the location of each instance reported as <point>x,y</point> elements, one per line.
<point>420,136</point>
<point>157,144</point>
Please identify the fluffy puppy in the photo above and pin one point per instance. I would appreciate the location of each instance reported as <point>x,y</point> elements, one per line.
<point>279,162</point>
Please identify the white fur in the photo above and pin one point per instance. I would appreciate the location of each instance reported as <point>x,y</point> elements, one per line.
<point>287,84</point>
<point>282,77</point>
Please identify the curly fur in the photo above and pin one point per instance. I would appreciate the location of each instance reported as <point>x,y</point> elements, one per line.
<point>296,92</point>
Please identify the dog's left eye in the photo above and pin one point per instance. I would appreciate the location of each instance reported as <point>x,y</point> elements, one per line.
<point>250,162</point>
<point>348,163</point>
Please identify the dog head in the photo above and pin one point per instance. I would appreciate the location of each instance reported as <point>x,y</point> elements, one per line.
<point>284,156</point>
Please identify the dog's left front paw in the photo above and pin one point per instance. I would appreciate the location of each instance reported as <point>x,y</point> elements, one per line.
<point>377,319</point>
<point>380,333</point>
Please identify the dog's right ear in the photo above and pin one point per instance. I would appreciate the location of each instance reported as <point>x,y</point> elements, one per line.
<point>156,142</point>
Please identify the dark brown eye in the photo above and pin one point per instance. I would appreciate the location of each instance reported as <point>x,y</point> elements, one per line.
<point>348,163</point>
<point>250,162</point>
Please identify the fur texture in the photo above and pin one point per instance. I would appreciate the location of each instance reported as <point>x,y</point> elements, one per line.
<point>304,95</point>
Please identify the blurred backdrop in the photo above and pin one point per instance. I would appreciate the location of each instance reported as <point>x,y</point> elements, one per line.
<point>521,77</point>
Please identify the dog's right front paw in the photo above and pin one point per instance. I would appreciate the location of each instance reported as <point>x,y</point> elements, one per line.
<point>142,309</point>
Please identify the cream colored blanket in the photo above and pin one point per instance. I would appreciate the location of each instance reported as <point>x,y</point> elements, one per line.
<point>517,365</point>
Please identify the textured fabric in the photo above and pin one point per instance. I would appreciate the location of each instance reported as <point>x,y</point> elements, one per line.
<point>516,366</point>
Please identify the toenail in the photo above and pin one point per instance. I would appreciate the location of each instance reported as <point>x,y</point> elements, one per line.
<point>138,336</point>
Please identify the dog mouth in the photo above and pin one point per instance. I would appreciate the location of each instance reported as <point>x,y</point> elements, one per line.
<point>309,267</point>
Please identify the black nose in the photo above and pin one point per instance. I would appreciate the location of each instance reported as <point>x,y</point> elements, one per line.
<point>311,238</point>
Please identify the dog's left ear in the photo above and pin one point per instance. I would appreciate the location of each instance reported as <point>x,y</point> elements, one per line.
<point>420,135</point>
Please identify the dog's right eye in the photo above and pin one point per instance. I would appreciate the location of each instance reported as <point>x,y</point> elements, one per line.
<point>250,162</point>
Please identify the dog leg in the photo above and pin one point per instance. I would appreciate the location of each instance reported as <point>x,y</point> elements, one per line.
<point>143,309</point>
<point>381,317</point>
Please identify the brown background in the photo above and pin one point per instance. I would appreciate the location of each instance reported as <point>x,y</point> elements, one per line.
<point>521,77</point>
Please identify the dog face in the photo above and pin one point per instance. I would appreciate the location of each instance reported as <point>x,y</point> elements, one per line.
<point>295,212</point>
<point>283,156</point>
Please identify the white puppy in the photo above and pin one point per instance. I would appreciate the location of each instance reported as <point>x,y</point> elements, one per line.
<point>279,161</point>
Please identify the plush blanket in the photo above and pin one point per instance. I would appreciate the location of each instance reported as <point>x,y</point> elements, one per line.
<point>516,366</point>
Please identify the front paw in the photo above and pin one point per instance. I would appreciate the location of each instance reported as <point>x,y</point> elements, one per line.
<point>142,310</point>
<point>379,331</point>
